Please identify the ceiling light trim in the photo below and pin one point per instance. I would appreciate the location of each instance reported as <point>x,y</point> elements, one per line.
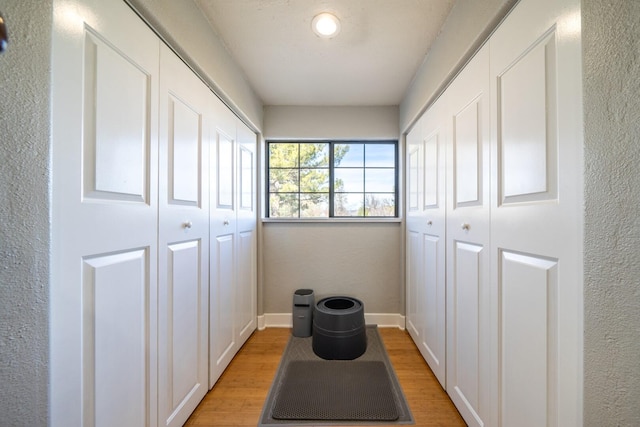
<point>325,25</point>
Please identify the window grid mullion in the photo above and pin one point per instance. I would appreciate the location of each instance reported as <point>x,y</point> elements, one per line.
<point>364,181</point>
<point>331,179</point>
<point>299,181</point>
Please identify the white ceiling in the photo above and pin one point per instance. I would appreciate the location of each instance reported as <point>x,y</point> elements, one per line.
<point>370,62</point>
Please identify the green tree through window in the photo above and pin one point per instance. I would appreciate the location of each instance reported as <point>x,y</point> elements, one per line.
<point>332,179</point>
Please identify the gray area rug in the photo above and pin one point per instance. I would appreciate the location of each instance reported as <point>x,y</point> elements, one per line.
<point>309,390</point>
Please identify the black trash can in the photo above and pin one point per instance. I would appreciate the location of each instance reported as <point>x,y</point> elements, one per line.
<point>303,303</point>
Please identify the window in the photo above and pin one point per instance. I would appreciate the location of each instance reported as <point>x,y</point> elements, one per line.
<point>332,179</point>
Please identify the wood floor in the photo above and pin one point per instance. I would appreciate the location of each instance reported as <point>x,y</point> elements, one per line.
<point>238,396</point>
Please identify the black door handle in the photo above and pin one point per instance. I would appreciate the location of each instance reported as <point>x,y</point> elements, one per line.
<point>4,40</point>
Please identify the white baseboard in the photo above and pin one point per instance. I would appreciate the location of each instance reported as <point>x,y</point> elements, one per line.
<point>284,320</point>
<point>385,320</point>
<point>275,320</point>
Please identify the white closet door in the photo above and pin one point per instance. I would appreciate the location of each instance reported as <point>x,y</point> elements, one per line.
<point>104,225</point>
<point>183,260</point>
<point>470,353</point>
<point>426,226</point>
<point>414,272</point>
<point>537,213</point>
<point>222,293</point>
<point>432,229</point>
<point>246,222</point>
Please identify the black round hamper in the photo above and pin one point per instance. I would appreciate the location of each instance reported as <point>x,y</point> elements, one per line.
<point>339,330</point>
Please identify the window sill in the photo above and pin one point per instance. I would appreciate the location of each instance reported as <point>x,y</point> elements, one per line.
<point>331,220</point>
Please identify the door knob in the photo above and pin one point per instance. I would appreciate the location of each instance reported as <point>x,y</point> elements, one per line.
<point>429,223</point>
<point>466,226</point>
<point>187,224</point>
<point>226,222</point>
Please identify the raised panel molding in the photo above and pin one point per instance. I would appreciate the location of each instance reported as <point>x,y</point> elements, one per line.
<point>116,316</point>
<point>467,288</point>
<point>431,171</point>
<point>224,277</point>
<point>528,323</point>
<point>527,133</point>
<point>116,134</point>
<point>185,136</point>
<point>413,297</point>
<point>246,180</point>
<point>225,170</point>
<point>245,315</point>
<point>467,146</point>
<point>413,187</point>
<point>183,314</point>
<point>431,262</point>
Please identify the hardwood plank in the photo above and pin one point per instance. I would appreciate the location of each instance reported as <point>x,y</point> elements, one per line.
<point>238,396</point>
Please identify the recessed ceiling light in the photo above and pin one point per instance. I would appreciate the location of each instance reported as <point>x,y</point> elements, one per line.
<point>325,25</point>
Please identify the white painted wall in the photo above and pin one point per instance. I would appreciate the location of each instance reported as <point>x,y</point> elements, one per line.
<point>611,71</point>
<point>363,260</point>
<point>293,122</point>
<point>186,30</point>
<point>469,23</point>
<point>25,133</point>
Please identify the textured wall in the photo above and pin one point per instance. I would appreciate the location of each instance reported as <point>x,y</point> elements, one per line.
<point>24,213</point>
<point>359,260</point>
<point>611,60</point>
<point>364,260</point>
<point>469,23</point>
<point>186,30</point>
<point>331,122</point>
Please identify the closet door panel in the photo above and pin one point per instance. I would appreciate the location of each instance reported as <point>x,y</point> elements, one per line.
<point>426,268</point>
<point>246,223</point>
<point>432,302</point>
<point>222,305</point>
<point>415,171</point>
<point>103,320</point>
<point>537,211</point>
<point>183,237</point>
<point>471,313</point>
